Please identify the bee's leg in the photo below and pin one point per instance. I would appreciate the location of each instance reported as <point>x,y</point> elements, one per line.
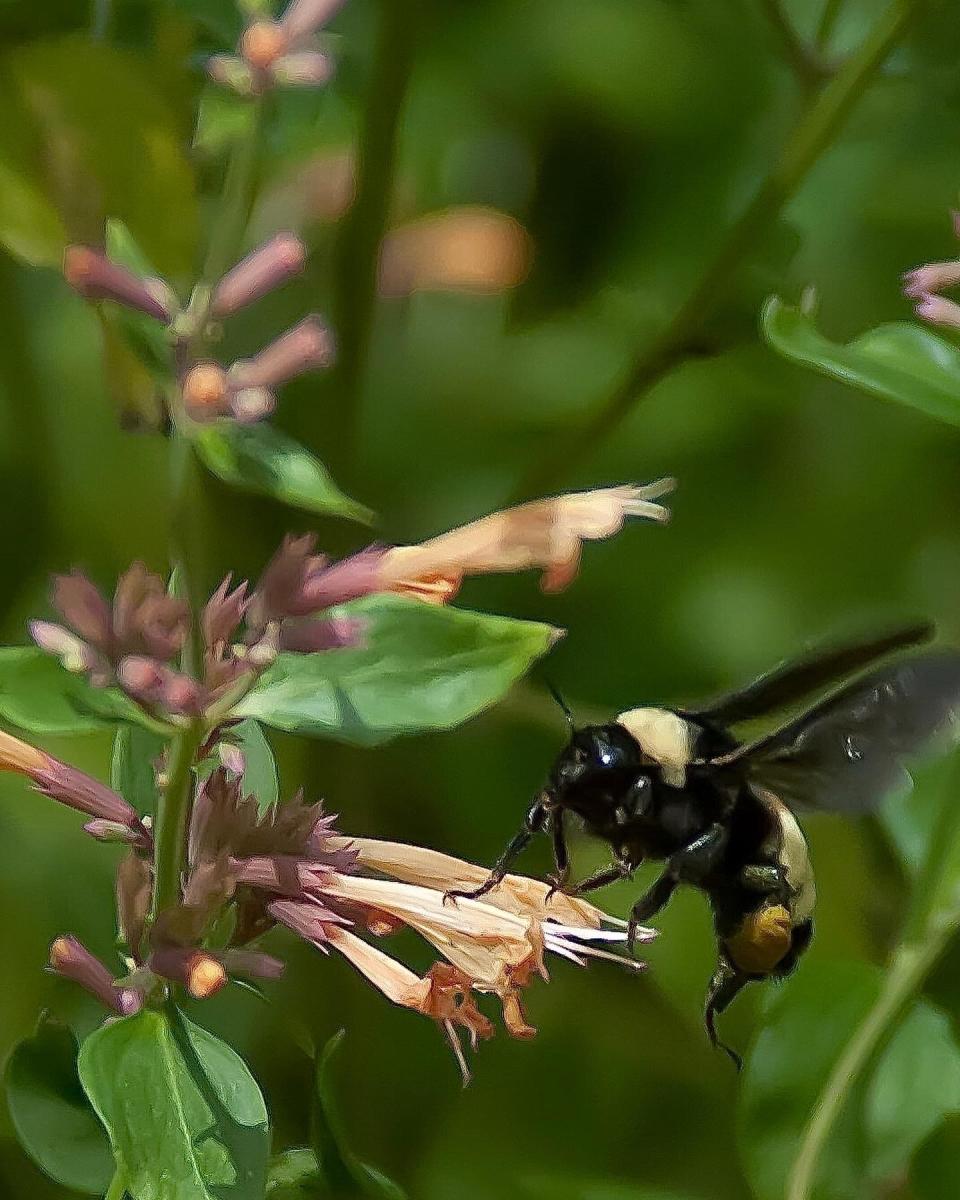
<point>768,880</point>
<point>689,865</point>
<point>561,858</point>
<point>599,879</point>
<point>724,985</point>
<point>535,820</point>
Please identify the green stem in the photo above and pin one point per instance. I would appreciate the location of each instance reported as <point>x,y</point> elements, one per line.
<point>100,24</point>
<point>173,816</point>
<point>358,253</point>
<point>237,198</point>
<point>807,140</point>
<point>828,20</point>
<point>927,930</point>
<point>803,59</point>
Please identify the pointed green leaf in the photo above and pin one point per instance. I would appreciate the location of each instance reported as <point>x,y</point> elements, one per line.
<point>52,1116</point>
<point>261,459</point>
<point>260,769</point>
<point>901,361</point>
<point>423,667</point>
<point>184,1115</point>
<point>40,695</point>
<point>132,773</point>
<point>343,1173</point>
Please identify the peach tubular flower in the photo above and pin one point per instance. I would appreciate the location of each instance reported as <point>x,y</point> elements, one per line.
<point>544,534</point>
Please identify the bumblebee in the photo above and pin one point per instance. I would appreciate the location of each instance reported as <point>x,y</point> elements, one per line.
<point>676,785</point>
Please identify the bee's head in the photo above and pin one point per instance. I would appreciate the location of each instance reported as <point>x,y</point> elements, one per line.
<point>598,758</point>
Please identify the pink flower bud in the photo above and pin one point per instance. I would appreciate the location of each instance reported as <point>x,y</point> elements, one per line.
<point>307,918</point>
<point>95,277</point>
<point>84,609</point>
<point>71,959</point>
<point>939,311</point>
<point>206,392</point>
<point>933,277</point>
<point>304,17</point>
<point>82,792</point>
<point>249,405</point>
<point>305,636</point>
<point>307,68</point>
<point>349,579</point>
<point>261,272</point>
<point>254,963</point>
<point>75,654</point>
<point>306,347</point>
<point>141,678</point>
<point>199,972</point>
<point>111,831</point>
<point>262,44</point>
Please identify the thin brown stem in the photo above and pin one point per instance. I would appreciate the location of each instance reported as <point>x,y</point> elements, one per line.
<point>809,137</point>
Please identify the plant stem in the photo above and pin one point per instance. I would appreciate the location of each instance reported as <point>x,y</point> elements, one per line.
<point>236,200</point>
<point>358,252</point>
<point>803,59</point>
<point>807,140</point>
<point>118,1187</point>
<point>828,19</point>
<point>173,816</point>
<point>927,930</point>
<point>100,23</point>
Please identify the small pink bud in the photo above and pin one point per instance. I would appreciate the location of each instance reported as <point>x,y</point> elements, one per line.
<point>254,963</point>
<point>95,277</point>
<point>307,68</point>
<point>206,391</point>
<point>71,959</point>
<point>141,678</point>
<point>304,17</point>
<point>231,759</point>
<point>199,972</point>
<point>75,654</point>
<point>305,636</point>
<point>933,277</point>
<point>276,261</point>
<point>308,346</point>
<point>249,405</point>
<point>939,311</point>
<point>111,831</point>
<point>82,792</point>
<point>262,44</point>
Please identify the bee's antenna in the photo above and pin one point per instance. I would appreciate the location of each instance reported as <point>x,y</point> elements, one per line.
<point>565,708</point>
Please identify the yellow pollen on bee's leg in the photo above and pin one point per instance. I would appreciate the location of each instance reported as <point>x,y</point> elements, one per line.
<point>762,940</point>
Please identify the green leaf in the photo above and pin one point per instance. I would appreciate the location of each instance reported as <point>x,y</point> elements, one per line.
<point>185,1116</point>
<point>53,1118</point>
<point>915,1081</point>
<point>132,773</point>
<point>936,1168</point>
<point>344,1174</point>
<point>295,1175</point>
<point>260,769</point>
<point>40,695</point>
<point>556,1187</point>
<point>261,459</point>
<point>423,667</point>
<point>902,361</point>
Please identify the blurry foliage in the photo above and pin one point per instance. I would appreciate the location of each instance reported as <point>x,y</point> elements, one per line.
<point>624,135</point>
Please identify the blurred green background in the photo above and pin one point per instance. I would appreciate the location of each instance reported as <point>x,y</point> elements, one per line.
<point>623,136</point>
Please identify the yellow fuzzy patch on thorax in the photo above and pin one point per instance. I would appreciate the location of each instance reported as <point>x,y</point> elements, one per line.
<point>762,940</point>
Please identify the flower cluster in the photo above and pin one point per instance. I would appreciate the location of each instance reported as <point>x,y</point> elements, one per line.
<point>278,53</point>
<point>248,872</point>
<point>246,390</point>
<point>926,284</point>
<point>137,641</point>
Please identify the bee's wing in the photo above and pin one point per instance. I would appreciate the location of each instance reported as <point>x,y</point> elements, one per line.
<point>794,680</point>
<point>847,752</point>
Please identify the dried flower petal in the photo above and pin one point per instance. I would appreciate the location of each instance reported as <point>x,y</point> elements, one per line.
<point>308,346</point>
<point>261,272</point>
<point>95,277</point>
<point>223,612</point>
<point>544,534</point>
<point>71,959</point>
